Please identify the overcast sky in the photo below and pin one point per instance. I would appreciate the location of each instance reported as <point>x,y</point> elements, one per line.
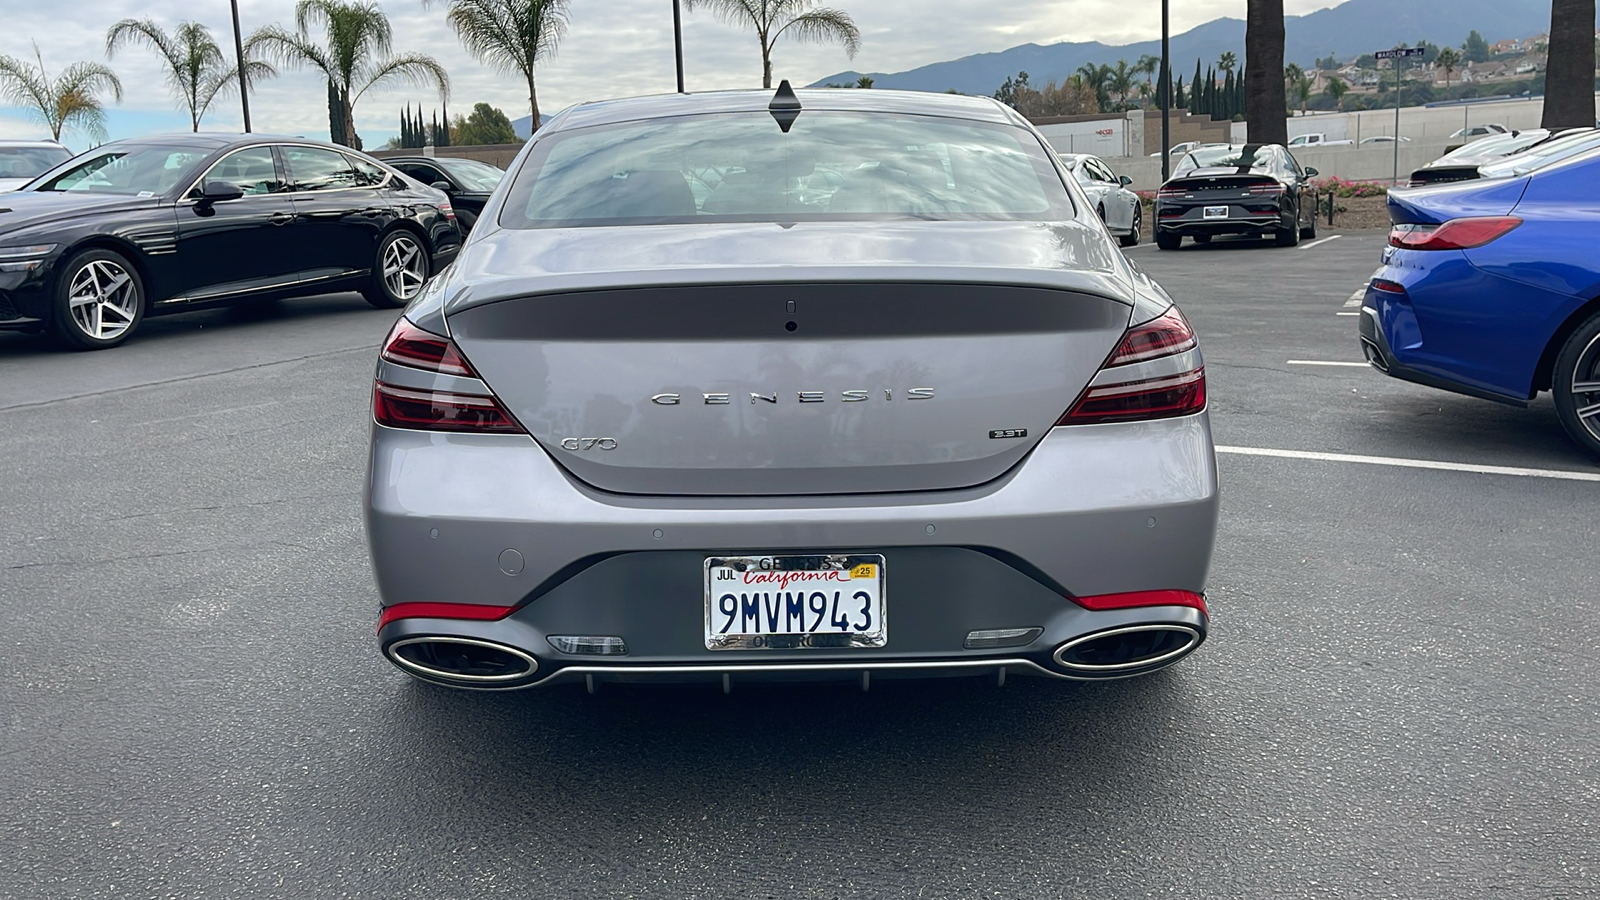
<point>614,48</point>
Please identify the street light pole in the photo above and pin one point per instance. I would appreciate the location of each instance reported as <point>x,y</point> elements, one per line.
<point>677,41</point>
<point>1396,178</point>
<point>238,52</point>
<point>1166,94</point>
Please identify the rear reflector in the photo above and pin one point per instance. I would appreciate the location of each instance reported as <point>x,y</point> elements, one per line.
<point>470,611</point>
<point>408,345</point>
<point>589,644</point>
<point>994,638</point>
<point>1136,399</point>
<point>1139,599</point>
<point>1456,234</point>
<point>398,407</point>
<point>1387,287</point>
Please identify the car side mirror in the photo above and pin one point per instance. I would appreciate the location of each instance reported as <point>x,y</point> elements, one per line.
<point>1124,181</point>
<point>219,192</point>
<point>443,186</point>
<point>1310,172</point>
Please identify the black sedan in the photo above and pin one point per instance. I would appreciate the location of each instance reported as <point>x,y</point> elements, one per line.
<point>1253,189</point>
<point>167,224</point>
<point>468,181</point>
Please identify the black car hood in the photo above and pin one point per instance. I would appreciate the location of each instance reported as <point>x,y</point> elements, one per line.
<point>24,209</point>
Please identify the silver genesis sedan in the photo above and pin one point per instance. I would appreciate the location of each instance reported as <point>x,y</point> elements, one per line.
<point>807,385</point>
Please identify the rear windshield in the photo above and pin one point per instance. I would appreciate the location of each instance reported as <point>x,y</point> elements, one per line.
<point>26,162</point>
<point>473,175</point>
<point>741,167</point>
<point>1250,157</point>
<point>1541,155</point>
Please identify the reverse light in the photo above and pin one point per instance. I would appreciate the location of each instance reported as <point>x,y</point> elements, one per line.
<point>1456,234</point>
<point>1135,398</point>
<point>589,644</point>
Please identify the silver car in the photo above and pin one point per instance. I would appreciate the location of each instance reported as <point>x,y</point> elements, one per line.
<point>22,161</point>
<point>1120,208</point>
<point>684,411</point>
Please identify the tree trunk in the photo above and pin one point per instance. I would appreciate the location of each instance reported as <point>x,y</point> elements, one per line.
<point>1266,107</point>
<point>1569,78</point>
<point>766,62</point>
<point>533,102</point>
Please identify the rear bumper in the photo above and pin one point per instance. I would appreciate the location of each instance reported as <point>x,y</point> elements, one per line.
<point>492,520</point>
<point>1378,350</point>
<point>1252,224</point>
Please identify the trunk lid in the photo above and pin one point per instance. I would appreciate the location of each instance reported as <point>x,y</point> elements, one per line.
<point>792,377</point>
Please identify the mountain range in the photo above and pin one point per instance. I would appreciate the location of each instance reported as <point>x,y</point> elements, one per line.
<point>1345,31</point>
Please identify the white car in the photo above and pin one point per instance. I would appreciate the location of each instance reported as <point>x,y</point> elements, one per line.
<point>1317,139</point>
<point>1383,139</point>
<point>1478,131</point>
<point>1118,207</point>
<point>22,161</point>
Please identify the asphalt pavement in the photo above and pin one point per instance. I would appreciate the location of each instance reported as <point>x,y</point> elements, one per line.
<point>1398,697</point>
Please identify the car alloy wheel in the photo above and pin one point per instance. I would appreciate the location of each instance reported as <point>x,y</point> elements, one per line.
<point>1576,385</point>
<point>1131,239</point>
<point>402,270</point>
<point>100,300</point>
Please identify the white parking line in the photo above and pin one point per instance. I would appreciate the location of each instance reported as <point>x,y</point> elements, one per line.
<point>1332,237</point>
<point>1347,314</point>
<point>1323,362</point>
<point>1356,298</point>
<point>1557,474</point>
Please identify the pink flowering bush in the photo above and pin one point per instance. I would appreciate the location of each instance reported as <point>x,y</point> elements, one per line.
<point>1340,187</point>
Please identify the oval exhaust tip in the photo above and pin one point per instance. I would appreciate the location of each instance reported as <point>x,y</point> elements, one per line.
<point>1122,651</point>
<point>465,661</point>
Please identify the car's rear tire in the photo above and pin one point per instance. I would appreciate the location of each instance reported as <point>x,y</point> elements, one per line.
<point>1309,232</point>
<point>1166,241</point>
<point>1288,237</point>
<point>399,270</point>
<point>1575,383</point>
<point>1131,239</point>
<point>98,301</point>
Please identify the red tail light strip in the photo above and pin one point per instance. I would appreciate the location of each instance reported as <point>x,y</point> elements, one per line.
<point>408,345</point>
<point>1137,401</point>
<point>398,407</point>
<point>1139,599</point>
<point>1456,234</point>
<point>470,611</point>
<point>1166,335</point>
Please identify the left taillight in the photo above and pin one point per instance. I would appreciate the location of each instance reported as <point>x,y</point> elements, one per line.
<point>472,408</point>
<point>1455,234</point>
<point>447,210</point>
<point>1124,391</point>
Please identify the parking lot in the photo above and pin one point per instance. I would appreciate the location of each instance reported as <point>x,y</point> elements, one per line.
<point>1397,699</point>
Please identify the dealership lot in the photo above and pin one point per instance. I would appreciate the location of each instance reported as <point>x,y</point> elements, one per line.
<point>1397,697</point>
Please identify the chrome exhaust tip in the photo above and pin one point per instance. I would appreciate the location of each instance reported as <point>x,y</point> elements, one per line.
<point>1136,649</point>
<point>466,662</point>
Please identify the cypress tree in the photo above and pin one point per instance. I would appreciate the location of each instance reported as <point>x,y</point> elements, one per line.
<point>444,133</point>
<point>1197,94</point>
<point>1178,97</point>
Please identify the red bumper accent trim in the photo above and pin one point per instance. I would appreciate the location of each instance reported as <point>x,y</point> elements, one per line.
<point>474,611</point>
<point>1144,598</point>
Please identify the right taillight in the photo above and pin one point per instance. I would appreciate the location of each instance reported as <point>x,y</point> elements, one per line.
<point>422,409</point>
<point>1455,234</point>
<point>1125,391</point>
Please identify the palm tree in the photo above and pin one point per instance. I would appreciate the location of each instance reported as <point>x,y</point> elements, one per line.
<point>1147,66</point>
<point>771,18</point>
<point>70,100</point>
<point>513,36</point>
<point>1569,78</point>
<point>1448,60</point>
<point>865,82</point>
<point>1097,79</point>
<point>1266,106</point>
<point>197,72</point>
<point>1336,90</point>
<point>1227,62</point>
<point>1120,80</point>
<point>355,59</point>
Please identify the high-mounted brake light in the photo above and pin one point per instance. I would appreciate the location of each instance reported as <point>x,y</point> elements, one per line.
<point>422,409</point>
<point>1135,398</point>
<point>409,345</point>
<point>1456,234</point>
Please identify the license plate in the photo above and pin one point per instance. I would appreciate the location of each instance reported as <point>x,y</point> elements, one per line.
<point>828,600</point>
<point>1216,212</point>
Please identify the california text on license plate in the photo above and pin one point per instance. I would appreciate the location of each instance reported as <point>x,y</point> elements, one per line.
<point>1216,212</point>
<point>829,600</point>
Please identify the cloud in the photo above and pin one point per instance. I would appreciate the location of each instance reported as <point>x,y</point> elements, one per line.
<point>614,48</point>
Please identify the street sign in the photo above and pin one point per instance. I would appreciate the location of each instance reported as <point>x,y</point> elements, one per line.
<point>1402,52</point>
<point>1397,55</point>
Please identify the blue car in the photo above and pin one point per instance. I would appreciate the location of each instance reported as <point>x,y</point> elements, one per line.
<point>1491,288</point>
